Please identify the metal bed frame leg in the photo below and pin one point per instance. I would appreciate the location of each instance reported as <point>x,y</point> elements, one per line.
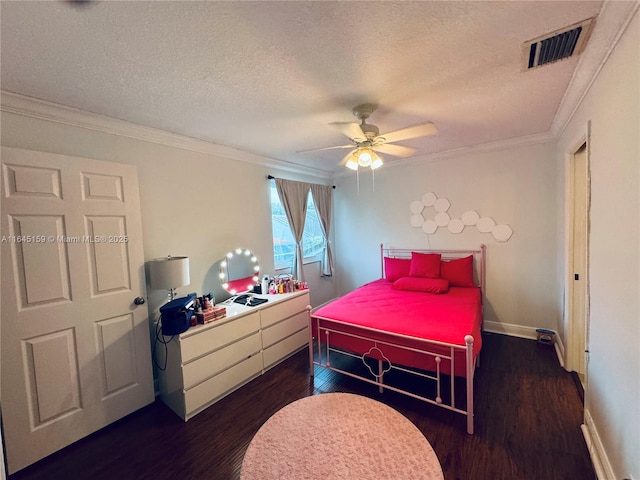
<point>311,366</point>
<point>469,341</point>
<point>380,377</point>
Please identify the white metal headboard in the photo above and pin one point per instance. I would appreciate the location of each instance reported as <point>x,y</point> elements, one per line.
<point>479,259</point>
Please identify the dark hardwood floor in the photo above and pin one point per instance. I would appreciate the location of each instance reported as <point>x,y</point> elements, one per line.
<point>528,416</point>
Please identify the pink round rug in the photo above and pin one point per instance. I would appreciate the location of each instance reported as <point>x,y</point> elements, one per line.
<point>339,436</point>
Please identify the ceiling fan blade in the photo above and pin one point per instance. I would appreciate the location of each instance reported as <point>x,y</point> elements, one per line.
<point>395,150</point>
<point>343,162</point>
<point>350,129</point>
<point>325,148</point>
<point>421,130</point>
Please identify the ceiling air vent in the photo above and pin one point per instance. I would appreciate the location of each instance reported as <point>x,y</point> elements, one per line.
<point>557,45</point>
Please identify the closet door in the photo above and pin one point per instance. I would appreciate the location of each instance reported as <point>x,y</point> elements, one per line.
<point>578,295</point>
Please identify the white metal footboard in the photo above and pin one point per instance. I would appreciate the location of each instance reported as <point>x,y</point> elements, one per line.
<point>320,354</point>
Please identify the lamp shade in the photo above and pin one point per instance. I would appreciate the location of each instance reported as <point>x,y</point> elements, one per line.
<point>167,273</point>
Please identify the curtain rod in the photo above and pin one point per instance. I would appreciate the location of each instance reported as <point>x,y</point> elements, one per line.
<point>271,177</point>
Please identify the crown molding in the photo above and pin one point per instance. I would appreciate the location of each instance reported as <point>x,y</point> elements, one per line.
<point>471,150</point>
<point>486,147</point>
<point>31,107</point>
<point>489,147</point>
<point>614,16</point>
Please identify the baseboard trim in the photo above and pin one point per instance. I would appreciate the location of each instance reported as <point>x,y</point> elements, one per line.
<point>524,332</point>
<point>511,330</point>
<point>560,350</point>
<point>599,457</point>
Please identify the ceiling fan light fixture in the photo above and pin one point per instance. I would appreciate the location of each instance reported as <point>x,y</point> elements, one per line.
<point>352,163</point>
<point>365,157</point>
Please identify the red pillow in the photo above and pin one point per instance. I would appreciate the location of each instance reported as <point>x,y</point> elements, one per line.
<point>458,271</point>
<point>421,284</point>
<point>425,265</point>
<point>394,268</point>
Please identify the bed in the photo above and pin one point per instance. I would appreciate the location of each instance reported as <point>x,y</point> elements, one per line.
<point>422,318</point>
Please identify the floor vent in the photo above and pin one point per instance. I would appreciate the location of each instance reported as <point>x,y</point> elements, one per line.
<point>557,45</point>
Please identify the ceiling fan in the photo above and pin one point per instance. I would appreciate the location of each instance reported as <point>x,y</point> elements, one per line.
<point>367,140</point>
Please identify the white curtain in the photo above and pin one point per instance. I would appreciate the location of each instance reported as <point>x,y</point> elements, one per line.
<point>293,196</point>
<point>322,196</point>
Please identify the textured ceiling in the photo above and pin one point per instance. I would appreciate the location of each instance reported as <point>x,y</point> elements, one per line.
<point>268,77</point>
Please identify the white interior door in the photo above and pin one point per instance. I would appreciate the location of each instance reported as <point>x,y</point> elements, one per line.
<point>75,348</point>
<point>578,322</point>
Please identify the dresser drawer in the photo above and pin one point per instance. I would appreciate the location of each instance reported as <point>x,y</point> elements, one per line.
<point>207,362</point>
<point>279,311</point>
<point>210,390</point>
<point>280,330</point>
<point>221,359</point>
<point>220,335</point>
<point>286,347</point>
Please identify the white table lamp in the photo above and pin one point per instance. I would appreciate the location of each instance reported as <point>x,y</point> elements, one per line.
<point>169,273</point>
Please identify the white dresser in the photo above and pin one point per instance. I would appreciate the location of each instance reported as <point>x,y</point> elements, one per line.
<point>207,362</point>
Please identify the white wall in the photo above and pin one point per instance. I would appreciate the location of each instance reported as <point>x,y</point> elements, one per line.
<point>192,204</point>
<point>613,391</point>
<point>514,186</point>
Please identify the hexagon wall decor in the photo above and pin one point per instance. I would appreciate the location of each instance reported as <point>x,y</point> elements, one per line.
<point>417,220</point>
<point>470,218</point>
<point>456,225</point>
<point>485,224</point>
<point>416,207</point>
<point>502,233</point>
<point>442,219</point>
<point>428,199</point>
<point>429,226</point>
<point>442,205</point>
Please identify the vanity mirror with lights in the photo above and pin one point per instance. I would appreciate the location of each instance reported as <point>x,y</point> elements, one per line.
<point>209,361</point>
<point>239,271</point>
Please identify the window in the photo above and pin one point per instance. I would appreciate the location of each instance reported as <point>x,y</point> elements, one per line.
<point>284,246</point>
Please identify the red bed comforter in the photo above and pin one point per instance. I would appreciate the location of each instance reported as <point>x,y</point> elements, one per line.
<point>447,317</point>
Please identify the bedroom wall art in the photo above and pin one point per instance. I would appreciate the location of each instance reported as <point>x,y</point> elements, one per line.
<point>470,218</point>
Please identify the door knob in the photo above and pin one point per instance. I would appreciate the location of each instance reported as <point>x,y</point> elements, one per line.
<point>138,300</point>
